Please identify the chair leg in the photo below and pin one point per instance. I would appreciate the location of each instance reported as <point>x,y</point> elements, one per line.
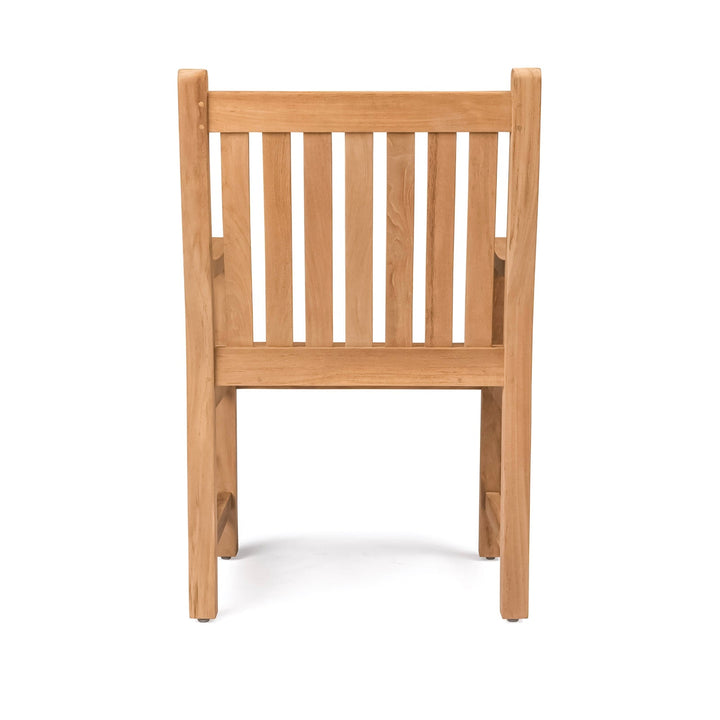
<point>515,499</point>
<point>490,432</point>
<point>226,465</point>
<point>202,503</point>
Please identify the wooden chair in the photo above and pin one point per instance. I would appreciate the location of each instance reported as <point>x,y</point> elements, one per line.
<point>496,354</point>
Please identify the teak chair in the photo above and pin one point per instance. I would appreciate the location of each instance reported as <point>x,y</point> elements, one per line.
<point>496,354</point>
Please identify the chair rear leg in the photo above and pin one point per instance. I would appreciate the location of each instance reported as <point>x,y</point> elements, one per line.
<point>200,358</point>
<point>226,470</point>
<point>202,508</point>
<point>515,499</point>
<point>490,434</point>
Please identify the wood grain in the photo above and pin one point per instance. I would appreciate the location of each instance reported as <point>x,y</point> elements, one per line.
<point>358,239</point>
<point>482,184</point>
<point>278,239</point>
<point>318,239</point>
<point>400,238</point>
<point>518,323</point>
<point>440,239</point>
<point>367,367</point>
<point>235,164</point>
<point>359,111</point>
<point>197,256</point>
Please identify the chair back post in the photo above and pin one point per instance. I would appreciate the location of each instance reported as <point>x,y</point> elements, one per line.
<point>517,339</point>
<point>197,260</point>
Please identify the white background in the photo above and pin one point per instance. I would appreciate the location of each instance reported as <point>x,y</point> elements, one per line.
<point>358,593</point>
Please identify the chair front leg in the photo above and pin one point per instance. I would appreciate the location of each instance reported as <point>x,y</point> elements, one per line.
<point>490,434</point>
<point>226,470</point>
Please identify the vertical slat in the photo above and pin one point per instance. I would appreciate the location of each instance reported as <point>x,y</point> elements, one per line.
<point>236,237</point>
<point>358,238</point>
<point>482,184</point>
<point>278,238</point>
<point>400,235</point>
<point>226,464</point>
<point>519,287</point>
<point>440,238</point>
<point>197,260</point>
<point>318,239</point>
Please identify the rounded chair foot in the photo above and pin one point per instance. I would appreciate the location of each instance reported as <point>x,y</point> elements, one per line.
<point>226,557</point>
<point>203,619</point>
<point>512,619</point>
<point>490,557</point>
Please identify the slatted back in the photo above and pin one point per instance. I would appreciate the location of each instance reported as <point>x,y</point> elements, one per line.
<point>359,115</point>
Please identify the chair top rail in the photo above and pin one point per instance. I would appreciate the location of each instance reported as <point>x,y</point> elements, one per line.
<point>359,111</point>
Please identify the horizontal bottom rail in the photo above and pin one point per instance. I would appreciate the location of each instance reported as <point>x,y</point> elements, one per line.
<point>350,367</point>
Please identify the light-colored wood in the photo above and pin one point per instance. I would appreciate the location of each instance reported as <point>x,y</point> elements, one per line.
<point>358,239</point>
<point>197,256</point>
<point>501,247</point>
<point>518,323</point>
<point>226,467</point>
<point>491,425</point>
<point>359,111</point>
<point>496,355</point>
<point>218,273</point>
<point>492,506</point>
<point>235,164</point>
<point>278,238</point>
<point>348,367</point>
<point>400,237</point>
<point>318,239</point>
<point>225,505</point>
<point>482,183</point>
<point>490,443</point>
<point>440,239</point>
